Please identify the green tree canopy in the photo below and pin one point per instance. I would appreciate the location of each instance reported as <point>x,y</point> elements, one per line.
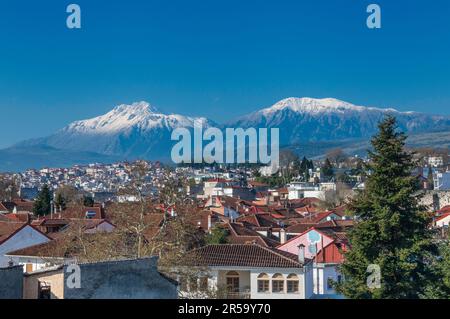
<point>391,231</point>
<point>42,203</point>
<point>217,236</point>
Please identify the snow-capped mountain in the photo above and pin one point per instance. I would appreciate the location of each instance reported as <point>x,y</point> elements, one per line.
<point>307,119</point>
<point>131,131</point>
<point>139,130</point>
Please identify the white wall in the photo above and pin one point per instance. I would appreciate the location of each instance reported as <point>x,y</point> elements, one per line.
<point>285,272</point>
<point>26,237</point>
<point>314,194</point>
<point>443,222</point>
<point>442,181</point>
<point>37,263</point>
<point>321,274</point>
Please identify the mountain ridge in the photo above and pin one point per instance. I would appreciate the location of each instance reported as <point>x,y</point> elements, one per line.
<point>140,130</point>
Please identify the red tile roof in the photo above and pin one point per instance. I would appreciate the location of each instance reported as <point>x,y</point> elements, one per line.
<point>23,217</point>
<point>299,228</point>
<point>251,255</point>
<point>442,216</point>
<point>53,248</point>
<point>8,229</point>
<point>239,234</point>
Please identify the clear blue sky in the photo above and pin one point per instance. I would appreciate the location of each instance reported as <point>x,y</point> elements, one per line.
<point>216,58</point>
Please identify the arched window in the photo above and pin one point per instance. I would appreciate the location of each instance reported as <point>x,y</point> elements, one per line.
<point>277,283</point>
<point>232,281</point>
<point>292,284</point>
<point>263,283</point>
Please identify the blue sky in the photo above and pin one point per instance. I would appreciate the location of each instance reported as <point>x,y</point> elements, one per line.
<point>216,58</point>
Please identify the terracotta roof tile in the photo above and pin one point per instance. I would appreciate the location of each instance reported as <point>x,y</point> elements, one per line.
<point>233,255</point>
<point>8,229</point>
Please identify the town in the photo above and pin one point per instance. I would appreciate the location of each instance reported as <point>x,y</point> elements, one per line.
<point>206,230</point>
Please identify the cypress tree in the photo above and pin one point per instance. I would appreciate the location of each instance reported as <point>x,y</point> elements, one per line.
<point>327,169</point>
<point>42,203</point>
<point>391,232</point>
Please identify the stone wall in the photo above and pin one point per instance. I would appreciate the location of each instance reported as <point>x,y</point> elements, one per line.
<point>11,282</point>
<point>127,279</point>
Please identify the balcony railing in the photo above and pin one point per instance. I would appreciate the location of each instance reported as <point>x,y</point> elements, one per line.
<point>243,294</point>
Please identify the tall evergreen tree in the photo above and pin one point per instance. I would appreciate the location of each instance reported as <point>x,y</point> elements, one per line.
<point>391,231</point>
<point>327,169</point>
<point>88,201</point>
<point>42,203</point>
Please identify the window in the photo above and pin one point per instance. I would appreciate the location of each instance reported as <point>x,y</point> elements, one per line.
<point>292,284</point>
<point>232,281</point>
<point>277,283</point>
<point>263,283</point>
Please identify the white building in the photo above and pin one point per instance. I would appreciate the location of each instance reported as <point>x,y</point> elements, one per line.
<point>442,221</point>
<point>298,190</point>
<point>249,271</point>
<point>435,161</point>
<point>442,181</point>
<point>14,236</point>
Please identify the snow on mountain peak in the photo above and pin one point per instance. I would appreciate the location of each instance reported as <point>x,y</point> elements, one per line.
<point>126,116</point>
<point>136,107</point>
<point>312,105</point>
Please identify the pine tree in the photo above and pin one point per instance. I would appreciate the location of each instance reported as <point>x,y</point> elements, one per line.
<point>304,169</point>
<point>88,201</point>
<point>391,231</point>
<point>42,203</point>
<point>327,169</point>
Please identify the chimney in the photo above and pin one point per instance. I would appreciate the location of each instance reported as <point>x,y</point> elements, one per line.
<point>52,208</point>
<point>209,221</point>
<point>282,235</point>
<point>301,254</point>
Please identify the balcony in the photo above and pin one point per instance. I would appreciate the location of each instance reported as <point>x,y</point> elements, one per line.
<point>243,294</point>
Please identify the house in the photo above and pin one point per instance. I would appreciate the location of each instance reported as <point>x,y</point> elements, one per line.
<point>442,220</point>
<point>325,246</point>
<point>435,161</point>
<point>43,255</point>
<point>40,256</point>
<point>442,181</point>
<point>239,234</point>
<point>216,186</point>
<point>14,236</point>
<point>55,225</point>
<point>17,205</point>
<point>247,271</point>
<point>120,279</point>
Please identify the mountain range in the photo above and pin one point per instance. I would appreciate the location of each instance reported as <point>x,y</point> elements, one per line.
<point>139,130</point>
